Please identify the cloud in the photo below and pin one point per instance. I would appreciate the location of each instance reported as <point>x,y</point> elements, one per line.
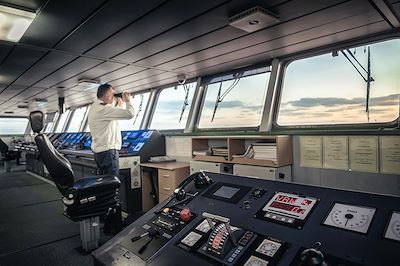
<point>334,101</point>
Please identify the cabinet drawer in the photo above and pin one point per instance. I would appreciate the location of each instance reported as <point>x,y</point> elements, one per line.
<point>166,188</point>
<point>166,174</point>
<point>162,197</point>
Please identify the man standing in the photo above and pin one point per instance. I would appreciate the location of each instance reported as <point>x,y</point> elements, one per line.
<point>104,128</point>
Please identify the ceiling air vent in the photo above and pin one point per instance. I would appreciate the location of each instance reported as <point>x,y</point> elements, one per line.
<point>253,19</point>
<point>40,101</point>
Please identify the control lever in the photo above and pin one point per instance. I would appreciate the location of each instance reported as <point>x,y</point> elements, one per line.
<point>216,218</point>
<point>152,233</point>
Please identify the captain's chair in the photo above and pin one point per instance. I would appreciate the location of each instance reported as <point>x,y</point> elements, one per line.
<point>85,199</point>
<point>7,155</point>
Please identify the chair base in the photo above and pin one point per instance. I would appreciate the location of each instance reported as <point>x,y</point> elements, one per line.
<point>90,233</point>
<point>7,166</point>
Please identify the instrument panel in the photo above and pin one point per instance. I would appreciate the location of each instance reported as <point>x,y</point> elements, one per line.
<point>235,225</point>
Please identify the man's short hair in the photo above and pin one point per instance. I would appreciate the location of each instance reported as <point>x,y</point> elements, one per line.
<point>102,89</point>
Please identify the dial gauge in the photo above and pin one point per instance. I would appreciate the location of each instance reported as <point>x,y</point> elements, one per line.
<point>268,247</point>
<point>350,217</point>
<point>255,261</point>
<point>393,228</point>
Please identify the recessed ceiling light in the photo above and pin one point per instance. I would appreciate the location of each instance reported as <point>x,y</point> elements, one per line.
<point>14,22</point>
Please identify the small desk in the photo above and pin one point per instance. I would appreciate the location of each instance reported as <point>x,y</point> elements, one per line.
<point>170,175</point>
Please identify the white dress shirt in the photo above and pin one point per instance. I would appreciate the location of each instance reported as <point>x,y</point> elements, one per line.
<point>103,124</point>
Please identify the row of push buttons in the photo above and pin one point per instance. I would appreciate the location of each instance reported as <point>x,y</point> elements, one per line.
<point>235,254</point>
<point>279,218</point>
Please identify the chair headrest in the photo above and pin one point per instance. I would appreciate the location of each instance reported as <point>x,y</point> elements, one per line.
<point>37,121</point>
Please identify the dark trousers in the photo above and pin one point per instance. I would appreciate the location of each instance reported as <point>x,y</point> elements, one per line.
<point>108,162</point>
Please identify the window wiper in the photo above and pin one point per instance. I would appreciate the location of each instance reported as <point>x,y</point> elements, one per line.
<point>220,97</point>
<point>186,101</point>
<point>139,109</point>
<point>367,79</point>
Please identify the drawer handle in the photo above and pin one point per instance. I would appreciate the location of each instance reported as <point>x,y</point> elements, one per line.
<point>165,175</point>
<point>167,188</point>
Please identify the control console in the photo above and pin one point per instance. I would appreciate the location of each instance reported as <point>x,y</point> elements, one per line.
<point>216,219</point>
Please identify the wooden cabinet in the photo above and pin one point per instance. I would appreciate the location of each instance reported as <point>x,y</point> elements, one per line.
<point>170,175</point>
<point>279,150</point>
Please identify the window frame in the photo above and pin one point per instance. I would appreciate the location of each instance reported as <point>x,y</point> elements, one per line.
<point>241,130</point>
<point>331,127</point>
<point>157,92</point>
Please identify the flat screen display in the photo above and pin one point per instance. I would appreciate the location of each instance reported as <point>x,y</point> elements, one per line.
<point>226,192</point>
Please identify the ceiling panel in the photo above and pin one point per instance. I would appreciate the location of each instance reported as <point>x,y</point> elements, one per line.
<point>56,20</point>
<point>118,13</point>
<point>4,51</point>
<point>74,68</point>
<point>10,92</point>
<point>26,94</point>
<point>151,25</point>
<point>198,26</point>
<point>48,64</point>
<point>18,61</point>
<point>121,73</point>
<point>137,76</point>
<point>92,74</point>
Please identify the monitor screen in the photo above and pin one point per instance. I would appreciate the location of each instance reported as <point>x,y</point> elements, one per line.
<point>226,192</point>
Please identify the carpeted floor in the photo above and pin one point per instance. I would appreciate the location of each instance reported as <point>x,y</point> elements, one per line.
<point>33,230</point>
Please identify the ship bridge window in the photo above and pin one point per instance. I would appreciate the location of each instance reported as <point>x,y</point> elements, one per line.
<point>77,119</point>
<point>13,125</point>
<point>351,86</point>
<point>173,107</point>
<point>61,121</point>
<point>235,100</point>
<point>139,102</point>
<point>50,122</point>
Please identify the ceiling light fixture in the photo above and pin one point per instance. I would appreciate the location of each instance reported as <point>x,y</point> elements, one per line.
<point>14,22</point>
<point>253,19</point>
<point>88,84</point>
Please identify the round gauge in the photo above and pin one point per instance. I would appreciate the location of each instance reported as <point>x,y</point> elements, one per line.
<point>255,261</point>
<point>396,228</point>
<point>344,218</point>
<point>350,217</point>
<point>268,247</point>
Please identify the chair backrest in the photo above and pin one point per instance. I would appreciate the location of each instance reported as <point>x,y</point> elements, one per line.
<point>3,147</point>
<point>58,166</point>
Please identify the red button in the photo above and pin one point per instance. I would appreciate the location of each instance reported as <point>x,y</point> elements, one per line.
<point>185,215</point>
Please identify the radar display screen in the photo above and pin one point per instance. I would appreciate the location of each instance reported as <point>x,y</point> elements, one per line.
<point>288,209</point>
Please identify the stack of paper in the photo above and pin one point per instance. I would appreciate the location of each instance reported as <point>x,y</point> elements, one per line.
<point>201,152</point>
<point>220,151</point>
<point>264,151</point>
